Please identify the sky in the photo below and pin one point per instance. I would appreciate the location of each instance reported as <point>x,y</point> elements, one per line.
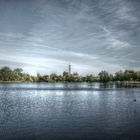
<point>45,36</point>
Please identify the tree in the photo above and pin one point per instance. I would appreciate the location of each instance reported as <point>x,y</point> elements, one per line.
<point>104,76</point>
<point>6,74</point>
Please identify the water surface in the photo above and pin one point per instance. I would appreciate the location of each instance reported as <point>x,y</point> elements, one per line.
<point>68,111</point>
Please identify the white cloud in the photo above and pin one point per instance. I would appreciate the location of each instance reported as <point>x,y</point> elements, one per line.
<point>85,34</point>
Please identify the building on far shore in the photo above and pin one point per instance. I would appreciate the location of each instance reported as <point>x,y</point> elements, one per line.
<point>69,69</point>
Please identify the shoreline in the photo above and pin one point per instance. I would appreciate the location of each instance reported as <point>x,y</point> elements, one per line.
<point>129,82</point>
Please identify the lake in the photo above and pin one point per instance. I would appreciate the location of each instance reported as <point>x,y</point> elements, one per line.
<point>80,111</point>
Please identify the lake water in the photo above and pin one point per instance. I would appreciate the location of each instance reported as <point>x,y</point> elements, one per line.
<point>31,111</point>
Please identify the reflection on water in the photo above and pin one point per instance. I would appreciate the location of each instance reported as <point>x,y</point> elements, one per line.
<point>59,86</point>
<point>99,113</point>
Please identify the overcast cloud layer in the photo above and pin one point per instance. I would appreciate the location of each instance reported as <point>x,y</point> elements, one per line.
<point>93,35</point>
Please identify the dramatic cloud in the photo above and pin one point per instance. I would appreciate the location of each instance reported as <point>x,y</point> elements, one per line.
<point>47,35</point>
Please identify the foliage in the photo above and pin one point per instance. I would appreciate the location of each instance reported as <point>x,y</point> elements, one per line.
<point>104,76</point>
<point>17,75</point>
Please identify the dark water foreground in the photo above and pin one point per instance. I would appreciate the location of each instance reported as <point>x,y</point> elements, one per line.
<point>68,111</point>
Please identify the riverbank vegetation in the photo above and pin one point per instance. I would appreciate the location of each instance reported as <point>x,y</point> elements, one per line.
<point>17,75</point>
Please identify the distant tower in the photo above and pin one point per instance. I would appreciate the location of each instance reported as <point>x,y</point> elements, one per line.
<point>69,69</point>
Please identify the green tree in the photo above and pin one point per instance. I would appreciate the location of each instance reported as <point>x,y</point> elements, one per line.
<point>104,76</point>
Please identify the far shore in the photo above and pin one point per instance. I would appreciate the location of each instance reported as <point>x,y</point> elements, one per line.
<point>110,82</point>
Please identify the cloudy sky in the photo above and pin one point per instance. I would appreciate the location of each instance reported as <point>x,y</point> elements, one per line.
<point>92,35</point>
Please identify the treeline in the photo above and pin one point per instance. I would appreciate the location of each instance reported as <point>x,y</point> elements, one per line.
<point>7,74</point>
<point>17,75</point>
